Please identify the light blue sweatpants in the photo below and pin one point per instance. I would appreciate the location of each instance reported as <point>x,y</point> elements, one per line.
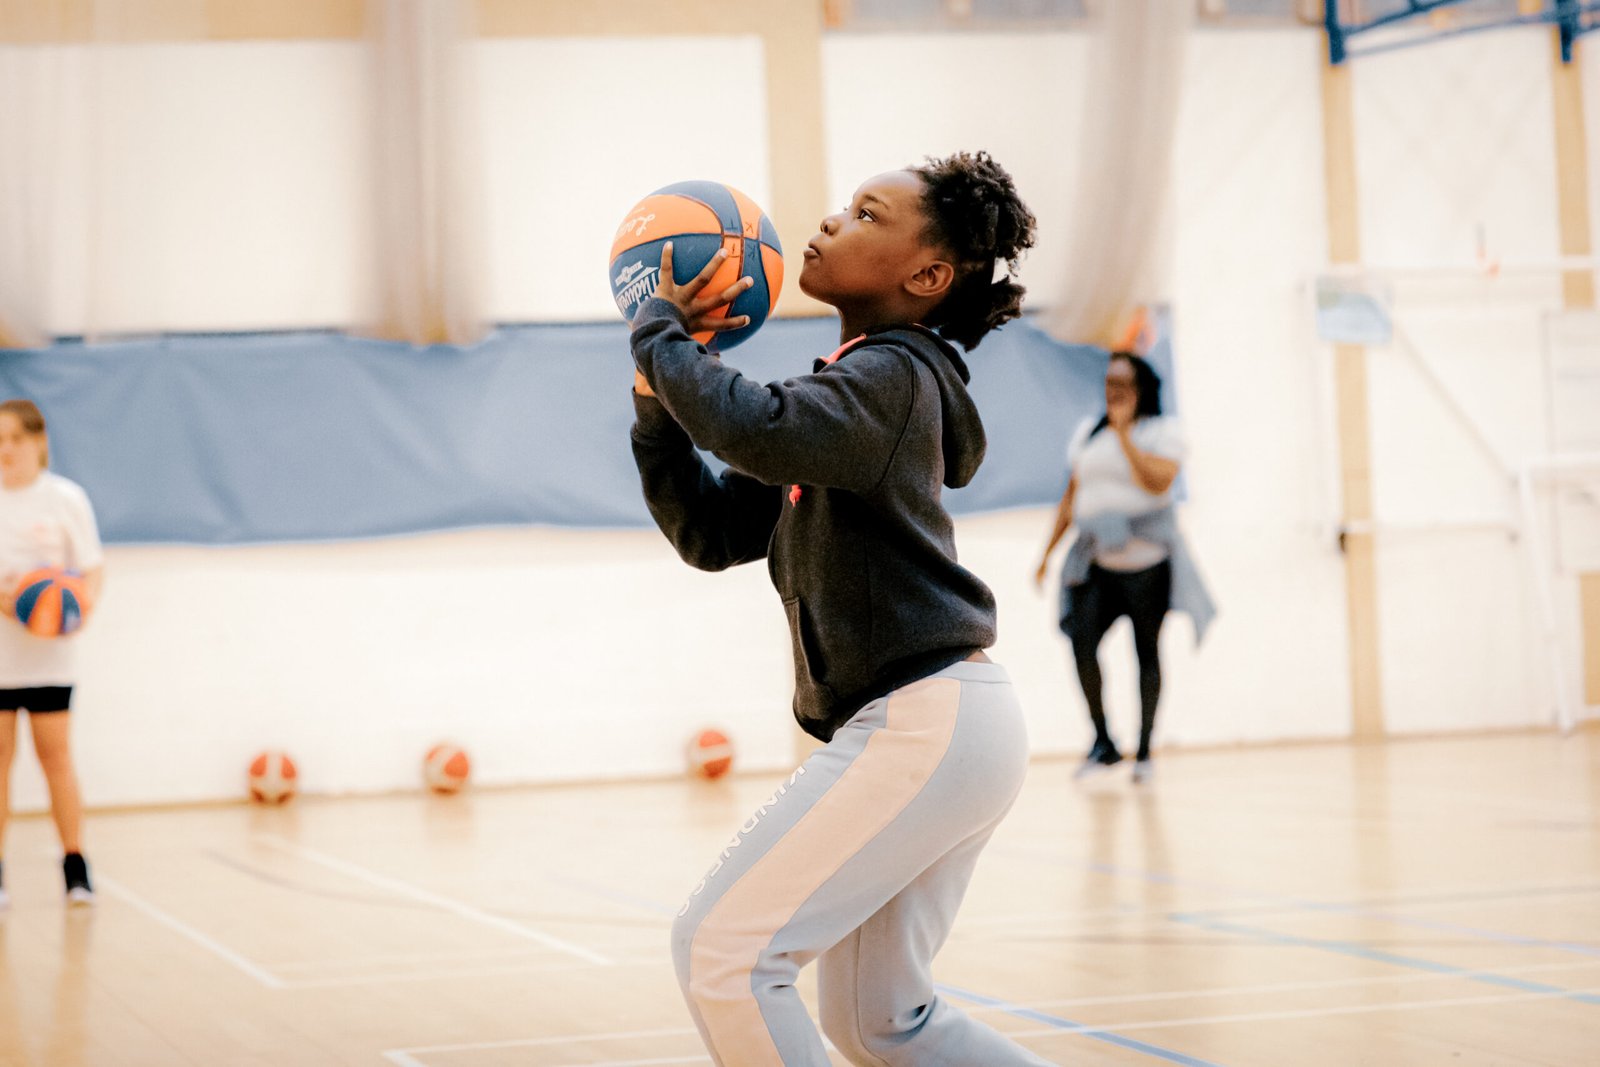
<point>861,857</point>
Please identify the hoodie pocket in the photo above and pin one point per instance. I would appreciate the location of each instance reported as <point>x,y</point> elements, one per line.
<point>809,667</point>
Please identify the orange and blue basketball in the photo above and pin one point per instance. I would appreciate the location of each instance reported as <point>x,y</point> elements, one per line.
<point>51,602</point>
<point>699,217</point>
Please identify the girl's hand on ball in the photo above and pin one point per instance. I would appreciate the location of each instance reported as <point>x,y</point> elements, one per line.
<point>696,308</point>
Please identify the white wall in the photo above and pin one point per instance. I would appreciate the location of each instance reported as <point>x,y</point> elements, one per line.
<point>1250,231</point>
<point>555,654</point>
<point>1020,97</point>
<point>549,654</point>
<point>189,181</point>
<point>1451,138</point>
<point>579,130</point>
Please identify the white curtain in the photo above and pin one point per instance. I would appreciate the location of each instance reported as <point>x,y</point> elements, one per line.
<point>24,247</point>
<point>1118,243</point>
<point>66,253</point>
<point>41,204</point>
<point>429,183</point>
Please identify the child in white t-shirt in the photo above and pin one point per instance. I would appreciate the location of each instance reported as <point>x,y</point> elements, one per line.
<point>45,521</point>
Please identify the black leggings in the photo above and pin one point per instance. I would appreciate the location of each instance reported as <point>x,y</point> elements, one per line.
<point>1144,597</point>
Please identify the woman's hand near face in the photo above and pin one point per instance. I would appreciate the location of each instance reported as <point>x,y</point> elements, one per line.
<point>1119,412</point>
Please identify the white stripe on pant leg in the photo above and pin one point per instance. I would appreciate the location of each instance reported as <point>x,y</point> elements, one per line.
<point>891,770</point>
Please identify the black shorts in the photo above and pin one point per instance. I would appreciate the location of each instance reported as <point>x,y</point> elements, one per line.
<point>38,699</point>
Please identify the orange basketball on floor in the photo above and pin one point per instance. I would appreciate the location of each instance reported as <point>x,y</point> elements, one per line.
<point>710,754</point>
<point>445,768</point>
<point>51,601</point>
<point>272,778</point>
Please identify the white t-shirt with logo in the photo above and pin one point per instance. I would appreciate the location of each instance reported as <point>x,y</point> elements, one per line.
<point>1106,485</point>
<point>46,524</point>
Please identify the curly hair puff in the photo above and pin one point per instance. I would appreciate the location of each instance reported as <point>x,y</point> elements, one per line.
<point>975,213</point>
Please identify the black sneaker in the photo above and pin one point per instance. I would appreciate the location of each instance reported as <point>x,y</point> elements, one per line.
<point>1101,758</point>
<point>76,871</point>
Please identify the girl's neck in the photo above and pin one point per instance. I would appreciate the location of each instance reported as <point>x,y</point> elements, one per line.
<point>20,480</point>
<point>852,326</point>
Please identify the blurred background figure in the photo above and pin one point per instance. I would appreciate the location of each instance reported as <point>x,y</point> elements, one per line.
<point>1129,557</point>
<point>45,521</point>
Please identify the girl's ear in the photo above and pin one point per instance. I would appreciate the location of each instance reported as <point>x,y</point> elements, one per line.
<point>932,281</point>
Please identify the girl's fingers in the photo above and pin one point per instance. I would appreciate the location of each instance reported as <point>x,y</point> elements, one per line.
<point>727,295</point>
<point>664,279</point>
<point>699,281</point>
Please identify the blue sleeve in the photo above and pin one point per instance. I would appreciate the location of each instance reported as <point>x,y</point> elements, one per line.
<point>837,428</point>
<point>714,522</point>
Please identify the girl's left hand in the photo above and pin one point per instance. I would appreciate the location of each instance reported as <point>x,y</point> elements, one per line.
<point>694,306</point>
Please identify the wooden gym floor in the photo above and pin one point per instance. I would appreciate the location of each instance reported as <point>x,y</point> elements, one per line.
<point>1420,902</point>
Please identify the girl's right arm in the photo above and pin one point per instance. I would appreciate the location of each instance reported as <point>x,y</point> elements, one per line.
<point>713,521</point>
<point>1063,522</point>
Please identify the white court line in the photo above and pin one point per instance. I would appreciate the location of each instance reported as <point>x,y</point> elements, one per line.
<point>407,1056</point>
<point>1272,987</point>
<point>260,974</point>
<point>455,907</point>
<point>404,1057</point>
<point>640,1063</point>
<point>1267,1016</point>
<point>473,972</point>
<point>384,959</point>
<point>467,956</point>
<point>1031,919</point>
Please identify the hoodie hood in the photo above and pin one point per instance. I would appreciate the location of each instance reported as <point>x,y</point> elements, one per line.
<point>964,440</point>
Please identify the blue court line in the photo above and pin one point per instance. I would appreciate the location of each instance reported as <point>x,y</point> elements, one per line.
<point>1526,894</point>
<point>1579,948</point>
<point>1067,1026</point>
<point>1359,951</point>
<point>1287,904</point>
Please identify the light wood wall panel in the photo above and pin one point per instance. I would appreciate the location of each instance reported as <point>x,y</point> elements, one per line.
<point>1350,384</point>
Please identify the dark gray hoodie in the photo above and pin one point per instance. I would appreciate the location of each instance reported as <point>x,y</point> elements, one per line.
<point>835,478</point>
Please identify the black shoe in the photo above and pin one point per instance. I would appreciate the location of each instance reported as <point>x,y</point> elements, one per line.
<point>76,871</point>
<point>1101,758</point>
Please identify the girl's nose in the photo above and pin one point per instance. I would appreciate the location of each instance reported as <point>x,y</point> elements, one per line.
<point>830,224</point>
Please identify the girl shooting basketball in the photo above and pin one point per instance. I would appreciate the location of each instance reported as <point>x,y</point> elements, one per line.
<point>861,858</point>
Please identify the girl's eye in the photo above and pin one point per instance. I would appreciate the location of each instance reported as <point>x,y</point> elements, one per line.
<point>863,213</point>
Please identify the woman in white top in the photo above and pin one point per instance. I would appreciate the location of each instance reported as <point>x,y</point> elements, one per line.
<point>1120,495</point>
<point>45,521</point>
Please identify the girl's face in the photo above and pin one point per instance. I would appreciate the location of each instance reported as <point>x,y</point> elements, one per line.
<point>21,457</point>
<point>866,253</point>
<point>1121,386</point>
